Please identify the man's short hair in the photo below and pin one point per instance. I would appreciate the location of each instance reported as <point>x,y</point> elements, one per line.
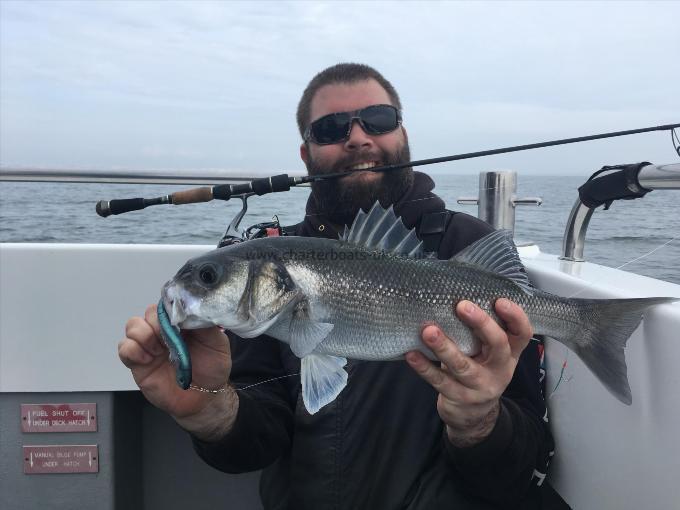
<point>347,73</point>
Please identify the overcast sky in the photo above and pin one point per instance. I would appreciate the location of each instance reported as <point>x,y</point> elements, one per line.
<point>193,85</point>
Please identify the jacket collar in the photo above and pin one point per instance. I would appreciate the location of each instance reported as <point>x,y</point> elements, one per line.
<point>416,202</point>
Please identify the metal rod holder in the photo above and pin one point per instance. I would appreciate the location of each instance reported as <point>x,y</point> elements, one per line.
<point>650,177</point>
<point>497,199</point>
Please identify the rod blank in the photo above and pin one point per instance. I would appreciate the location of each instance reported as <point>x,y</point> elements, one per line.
<point>283,182</point>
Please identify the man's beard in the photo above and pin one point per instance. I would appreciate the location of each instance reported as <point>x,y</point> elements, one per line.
<point>340,199</point>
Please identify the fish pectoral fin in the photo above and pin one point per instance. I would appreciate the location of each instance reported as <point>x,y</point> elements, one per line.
<point>323,378</point>
<point>306,333</point>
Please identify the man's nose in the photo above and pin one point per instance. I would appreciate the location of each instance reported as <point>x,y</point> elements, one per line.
<point>358,138</point>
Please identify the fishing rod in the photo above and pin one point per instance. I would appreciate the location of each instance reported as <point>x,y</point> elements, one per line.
<point>283,182</point>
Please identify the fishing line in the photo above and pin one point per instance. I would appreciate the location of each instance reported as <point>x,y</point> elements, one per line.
<point>630,262</point>
<point>649,253</point>
<point>266,381</point>
<point>559,380</point>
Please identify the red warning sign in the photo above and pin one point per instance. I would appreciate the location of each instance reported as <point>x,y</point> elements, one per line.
<point>61,459</point>
<point>58,417</point>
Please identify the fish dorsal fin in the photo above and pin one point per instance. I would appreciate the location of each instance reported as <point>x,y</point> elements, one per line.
<point>496,253</point>
<point>382,230</point>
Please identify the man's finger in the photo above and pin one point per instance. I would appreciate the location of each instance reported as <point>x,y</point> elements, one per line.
<point>446,350</point>
<point>441,380</point>
<point>464,369</point>
<point>151,316</point>
<point>494,338</point>
<point>517,324</point>
<point>140,331</point>
<point>434,375</point>
<point>132,354</point>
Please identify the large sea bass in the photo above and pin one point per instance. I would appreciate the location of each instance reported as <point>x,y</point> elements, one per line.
<point>367,295</point>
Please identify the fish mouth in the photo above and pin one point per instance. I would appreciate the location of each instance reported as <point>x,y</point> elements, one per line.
<point>181,307</point>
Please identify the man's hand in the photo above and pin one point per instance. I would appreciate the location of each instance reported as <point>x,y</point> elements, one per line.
<point>207,415</point>
<point>470,388</point>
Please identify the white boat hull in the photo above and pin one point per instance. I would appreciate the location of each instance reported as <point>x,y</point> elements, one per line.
<point>63,309</point>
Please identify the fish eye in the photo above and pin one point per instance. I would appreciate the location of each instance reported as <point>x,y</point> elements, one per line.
<point>208,274</point>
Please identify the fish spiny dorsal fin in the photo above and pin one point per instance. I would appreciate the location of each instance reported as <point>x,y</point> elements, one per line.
<point>496,253</point>
<point>378,223</point>
<point>380,229</point>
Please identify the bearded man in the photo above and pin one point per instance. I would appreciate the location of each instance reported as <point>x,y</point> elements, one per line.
<point>465,433</point>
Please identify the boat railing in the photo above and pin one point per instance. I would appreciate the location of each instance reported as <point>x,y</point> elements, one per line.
<point>118,176</point>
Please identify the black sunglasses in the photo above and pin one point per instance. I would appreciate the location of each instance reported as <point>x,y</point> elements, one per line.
<point>376,119</point>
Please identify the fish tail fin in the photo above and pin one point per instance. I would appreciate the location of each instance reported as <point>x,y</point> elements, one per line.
<point>600,337</point>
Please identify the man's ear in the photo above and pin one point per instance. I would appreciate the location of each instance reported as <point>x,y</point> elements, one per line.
<point>403,130</point>
<point>304,153</point>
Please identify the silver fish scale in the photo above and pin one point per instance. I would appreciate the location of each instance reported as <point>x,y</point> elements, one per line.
<point>378,301</point>
<point>556,316</point>
<point>378,305</point>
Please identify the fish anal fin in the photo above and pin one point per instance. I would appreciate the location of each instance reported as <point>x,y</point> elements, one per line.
<point>323,378</point>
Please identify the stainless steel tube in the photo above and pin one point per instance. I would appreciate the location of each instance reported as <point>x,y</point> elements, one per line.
<point>496,194</point>
<point>575,233</point>
<point>194,177</point>
<point>660,176</point>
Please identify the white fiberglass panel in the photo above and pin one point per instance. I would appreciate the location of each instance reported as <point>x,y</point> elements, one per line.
<point>608,454</point>
<point>63,309</point>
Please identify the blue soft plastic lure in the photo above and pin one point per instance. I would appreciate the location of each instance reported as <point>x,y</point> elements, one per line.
<point>179,354</point>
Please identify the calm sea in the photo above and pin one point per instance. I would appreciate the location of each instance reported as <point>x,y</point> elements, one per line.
<point>643,235</point>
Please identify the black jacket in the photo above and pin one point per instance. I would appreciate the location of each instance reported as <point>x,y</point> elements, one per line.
<point>381,443</point>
